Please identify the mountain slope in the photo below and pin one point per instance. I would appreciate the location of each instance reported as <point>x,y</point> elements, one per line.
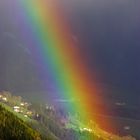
<point>13,128</point>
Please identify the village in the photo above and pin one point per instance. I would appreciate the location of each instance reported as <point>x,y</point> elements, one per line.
<point>25,111</point>
<point>17,105</point>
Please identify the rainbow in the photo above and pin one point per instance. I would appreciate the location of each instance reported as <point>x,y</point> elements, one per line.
<point>45,31</point>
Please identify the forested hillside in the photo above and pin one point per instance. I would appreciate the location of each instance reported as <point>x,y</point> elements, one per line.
<point>21,120</point>
<point>13,128</point>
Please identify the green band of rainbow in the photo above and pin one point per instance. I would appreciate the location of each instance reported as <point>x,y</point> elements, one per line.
<point>47,34</point>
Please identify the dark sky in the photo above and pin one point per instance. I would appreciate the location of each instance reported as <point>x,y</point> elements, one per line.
<point>109,33</point>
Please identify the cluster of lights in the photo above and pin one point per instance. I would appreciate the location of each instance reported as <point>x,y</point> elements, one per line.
<point>86,129</point>
<point>17,108</point>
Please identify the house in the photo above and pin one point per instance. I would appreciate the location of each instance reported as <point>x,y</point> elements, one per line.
<point>16,109</point>
<point>4,99</point>
<point>22,104</point>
